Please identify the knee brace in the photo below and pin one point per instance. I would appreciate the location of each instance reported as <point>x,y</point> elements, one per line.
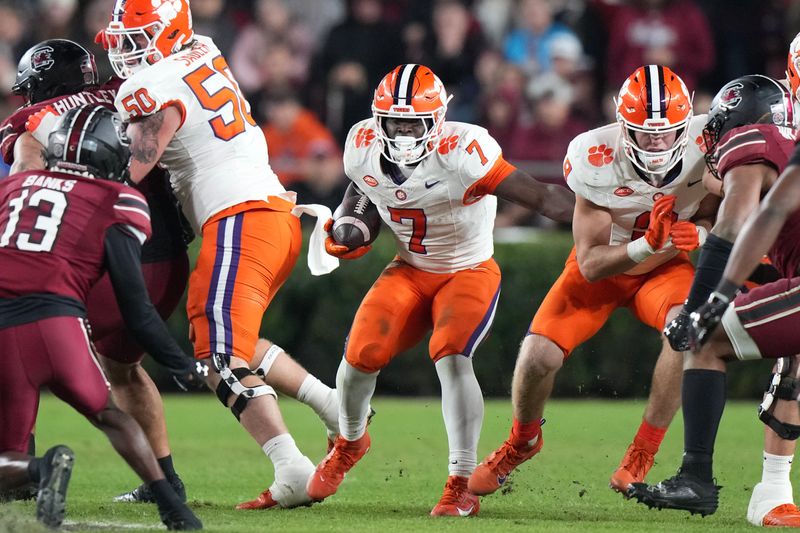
<point>783,386</point>
<point>268,360</point>
<point>231,385</point>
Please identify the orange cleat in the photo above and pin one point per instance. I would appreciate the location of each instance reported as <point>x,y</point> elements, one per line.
<point>330,472</point>
<point>494,470</point>
<point>632,469</point>
<point>456,499</point>
<point>786,515</point>
<point>264,501</point>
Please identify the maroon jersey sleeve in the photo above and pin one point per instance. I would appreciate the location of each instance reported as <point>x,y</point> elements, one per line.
<point>758,143</point>
<point>14,126</point>
<point>130,210</point>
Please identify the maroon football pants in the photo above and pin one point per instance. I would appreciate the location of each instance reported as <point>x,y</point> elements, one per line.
<point>52,352</point>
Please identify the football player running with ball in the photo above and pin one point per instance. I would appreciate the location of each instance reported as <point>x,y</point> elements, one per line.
<point>640,207</point>
<point>186,112</point>
<point>434,185</point>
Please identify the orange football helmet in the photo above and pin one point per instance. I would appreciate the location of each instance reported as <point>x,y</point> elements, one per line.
<point>142,32</point>
<point>654,100</point>
<point>793,68</point>
<point>410,91</point>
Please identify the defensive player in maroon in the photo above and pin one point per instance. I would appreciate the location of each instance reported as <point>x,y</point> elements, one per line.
<point>59,230</point>
<point>750,141</point>
<point>61,74</point>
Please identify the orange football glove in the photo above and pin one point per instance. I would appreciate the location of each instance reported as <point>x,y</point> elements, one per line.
<point>41,123</point>
<point>660,222</point>
<point>339,250</point>
<point>102,39</point>
<point>685,235</point>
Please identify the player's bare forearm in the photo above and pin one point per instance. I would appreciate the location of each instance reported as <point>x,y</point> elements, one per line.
<point>742,186</point>
<point>762,229</point>
<point>591,228</point>
<point>553,201</point>
<point>150,136</point>
<point>29,154</point>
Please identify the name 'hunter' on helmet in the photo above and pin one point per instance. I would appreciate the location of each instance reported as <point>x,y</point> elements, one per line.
<point>654,101</point>
<point>410,92</point>
<point>143,32</point>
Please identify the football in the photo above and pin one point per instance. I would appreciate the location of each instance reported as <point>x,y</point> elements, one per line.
<point>356,222</point>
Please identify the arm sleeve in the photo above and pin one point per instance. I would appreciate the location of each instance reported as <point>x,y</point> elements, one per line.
<point>123,260</point>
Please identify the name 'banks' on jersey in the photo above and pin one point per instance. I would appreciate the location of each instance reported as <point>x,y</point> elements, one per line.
<point>218,157</point>
<point>596,169</point>
<point>439,221</point>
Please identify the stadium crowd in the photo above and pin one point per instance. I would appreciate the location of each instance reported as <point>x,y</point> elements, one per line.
<point>535,73</point>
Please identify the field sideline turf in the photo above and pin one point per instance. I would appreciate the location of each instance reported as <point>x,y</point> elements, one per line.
<point>398,482</point>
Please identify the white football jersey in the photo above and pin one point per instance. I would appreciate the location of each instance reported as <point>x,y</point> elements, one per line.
<point>218,157</point>
<point>597,169</point>
<point>438,224</point>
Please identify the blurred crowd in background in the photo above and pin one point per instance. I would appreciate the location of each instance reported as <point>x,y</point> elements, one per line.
<point>535,73</point>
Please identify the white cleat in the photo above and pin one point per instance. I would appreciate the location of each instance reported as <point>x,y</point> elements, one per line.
<point>765,498</point>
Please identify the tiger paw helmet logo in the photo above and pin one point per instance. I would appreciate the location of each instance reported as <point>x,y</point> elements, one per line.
<point>447,144</point>
<point>601,155</point>
<point>167,9</point>
<point>42,59</point>
<point>364,137</point>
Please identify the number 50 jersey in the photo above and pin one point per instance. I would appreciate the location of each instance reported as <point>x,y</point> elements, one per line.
<point>443,214</point>
<point>218,157</point>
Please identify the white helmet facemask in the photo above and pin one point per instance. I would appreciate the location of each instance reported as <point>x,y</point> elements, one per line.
<point>656,164</point>
<point>131,50</point>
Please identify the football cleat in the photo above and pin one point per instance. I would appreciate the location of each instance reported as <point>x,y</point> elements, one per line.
<point>180,518</point>
<point>332,434</point>
<point>682,491</point>
<point>786,515</point>
<point>330,472</point>
<point>143,494</point>
<point>772,504</point>
<point>287,491</point>
<point>493,471</point>
<point>456,499</point>
<point>632,469</point>
<point>55,471</point>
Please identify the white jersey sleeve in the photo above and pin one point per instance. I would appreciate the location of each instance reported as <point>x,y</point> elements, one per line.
<point>218,156</point>
<point>477,153</point>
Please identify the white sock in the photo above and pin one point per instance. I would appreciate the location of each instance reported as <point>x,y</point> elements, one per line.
<point>462,409</point>
<point>776,469</point>
<point>323,400</point>
<point>282,450</point>
<point>355,389</point>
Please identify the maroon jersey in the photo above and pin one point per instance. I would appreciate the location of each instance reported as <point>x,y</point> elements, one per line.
<point>168,231</point>
<point>14,126</point>
<point>773,146</point>
<point>52,232</point>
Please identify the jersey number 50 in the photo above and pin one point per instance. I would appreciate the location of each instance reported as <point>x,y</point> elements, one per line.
<point>227,95</point>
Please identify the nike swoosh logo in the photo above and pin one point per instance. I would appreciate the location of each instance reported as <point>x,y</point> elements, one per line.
<point>689,184</point>
<point>465,512</point>
<point>429,184</point>
<point>501,479</point>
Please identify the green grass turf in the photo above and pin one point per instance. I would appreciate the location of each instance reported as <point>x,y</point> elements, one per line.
<point>394,487</point>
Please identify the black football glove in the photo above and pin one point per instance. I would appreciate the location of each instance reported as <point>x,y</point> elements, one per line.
<point>707,318</point>
<point>677,331</point>
<point>192,377</point>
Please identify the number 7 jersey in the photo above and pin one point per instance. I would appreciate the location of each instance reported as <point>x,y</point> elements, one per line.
<point>218,157</point>
<point>442,215</point>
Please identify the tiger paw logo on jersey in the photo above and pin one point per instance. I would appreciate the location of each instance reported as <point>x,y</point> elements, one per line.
<point>601,155</point>
<point>447,144</point>
<point>364,137</point>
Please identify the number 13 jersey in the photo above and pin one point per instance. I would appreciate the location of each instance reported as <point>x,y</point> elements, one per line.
<point>218,157</point>
<point>443,214</point>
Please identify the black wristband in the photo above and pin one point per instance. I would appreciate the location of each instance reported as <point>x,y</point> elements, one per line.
<point>728,289</point>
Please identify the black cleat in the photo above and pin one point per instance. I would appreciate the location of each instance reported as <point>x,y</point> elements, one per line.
<point>180,518</point>
<point>682,491</point>
<point>143,494</point>
<point>51,501</point>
